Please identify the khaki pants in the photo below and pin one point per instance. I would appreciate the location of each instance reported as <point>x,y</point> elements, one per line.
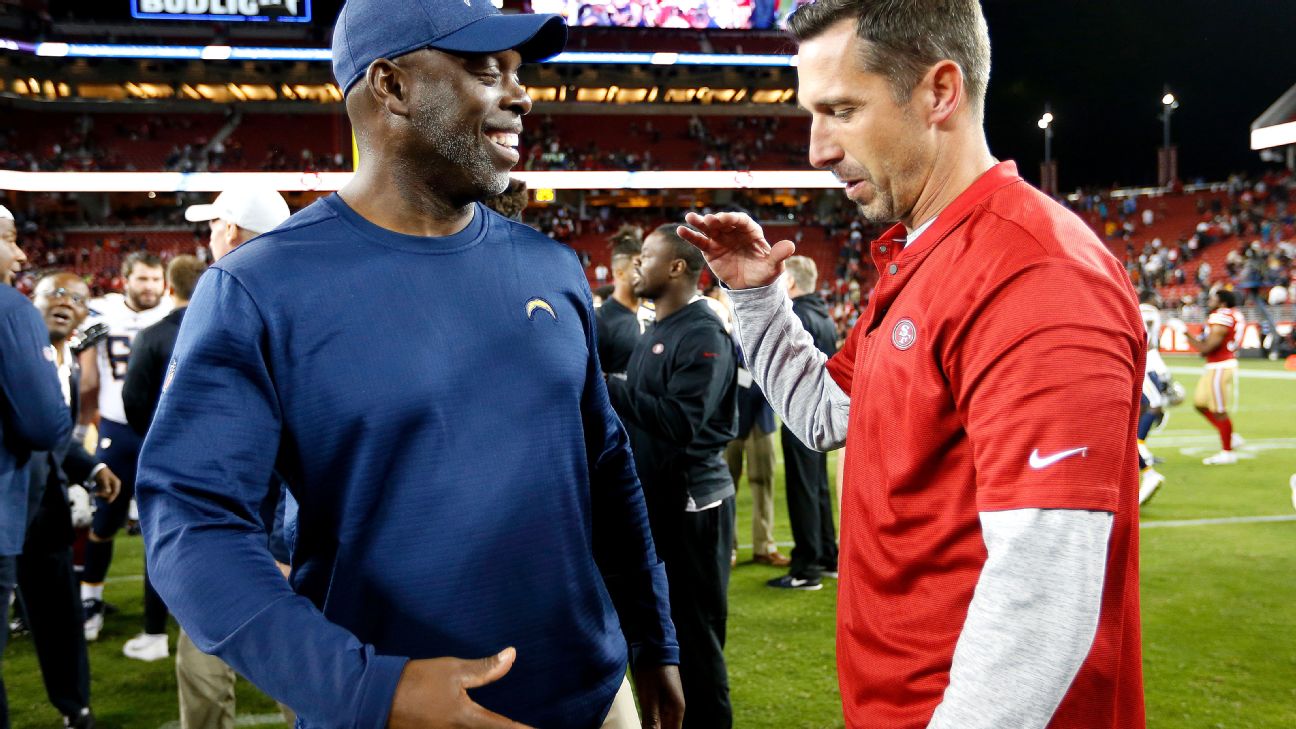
<point>759,448</point>
<point>1216,389</point>
<point>623,714</point>
<point>206,688</point>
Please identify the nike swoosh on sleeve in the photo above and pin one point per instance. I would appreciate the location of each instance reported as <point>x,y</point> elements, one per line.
<point>1037,461</point>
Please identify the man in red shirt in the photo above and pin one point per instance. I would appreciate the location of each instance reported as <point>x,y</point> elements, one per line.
<point>1215,390</point>
<point>987,397</point>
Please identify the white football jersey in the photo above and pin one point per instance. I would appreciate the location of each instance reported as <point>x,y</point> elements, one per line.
<point>1152,325</point>
<point>113,352</point>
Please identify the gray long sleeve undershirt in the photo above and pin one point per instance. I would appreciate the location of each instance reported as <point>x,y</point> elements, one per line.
<point>1035,609</point>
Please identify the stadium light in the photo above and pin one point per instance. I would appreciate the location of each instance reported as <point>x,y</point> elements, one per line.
<point>243,53</point>
<point>1046,123</point>
<point>330,181</point>
<point>1170,103</point>
<point>1048,170</point>
<point>1167,156</point>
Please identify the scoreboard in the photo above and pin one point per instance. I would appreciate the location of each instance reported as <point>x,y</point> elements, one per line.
<point>283,11</point>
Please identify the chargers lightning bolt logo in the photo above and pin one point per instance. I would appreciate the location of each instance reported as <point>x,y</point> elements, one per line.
<point>539,304</point>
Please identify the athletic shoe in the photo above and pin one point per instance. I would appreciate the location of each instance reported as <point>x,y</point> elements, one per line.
<point>1237,441</point>
<point>82,720</point>
<point>773,559</point>
<point>94,618</point>
<point>830,574</point>
<point>147,647</point>
<point>788,582</point>
<point>17,626</point>
<point>1293,488</point>
<point>1149,482</point>
<point>1223,458</point>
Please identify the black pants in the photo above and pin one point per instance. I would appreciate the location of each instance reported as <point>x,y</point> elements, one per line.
<point>8,568</point>
<point>52,600</point>
<point>695,549</point>
<point>809,508</point>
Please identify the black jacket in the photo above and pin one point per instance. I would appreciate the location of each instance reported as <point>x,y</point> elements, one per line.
<point>812,310</point>
<point>50,517</point>
<point>149,360</point>
<point>618,332</point>
<point>679,404</point>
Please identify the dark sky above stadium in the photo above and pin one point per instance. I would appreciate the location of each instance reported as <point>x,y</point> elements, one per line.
<point>1102,66</point>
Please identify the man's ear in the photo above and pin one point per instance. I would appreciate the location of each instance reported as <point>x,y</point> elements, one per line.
<point>389,85</point>
<point>944,91</point>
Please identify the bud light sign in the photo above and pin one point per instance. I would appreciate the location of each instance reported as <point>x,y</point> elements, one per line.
<point>283,11</point>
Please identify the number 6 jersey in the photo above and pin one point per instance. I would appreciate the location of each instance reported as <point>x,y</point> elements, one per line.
<point>112,354</point>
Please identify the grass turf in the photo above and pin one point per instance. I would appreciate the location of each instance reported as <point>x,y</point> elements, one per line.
<point>1217,601</point>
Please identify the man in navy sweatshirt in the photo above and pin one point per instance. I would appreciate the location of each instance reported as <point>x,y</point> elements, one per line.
<point>463,487</point>
<point>33,417</point>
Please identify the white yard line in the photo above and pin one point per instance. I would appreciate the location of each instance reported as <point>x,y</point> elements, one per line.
<point>1242,372</point>
<point>1173,523</point>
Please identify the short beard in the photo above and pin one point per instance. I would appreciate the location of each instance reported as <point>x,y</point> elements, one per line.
<point>458,145</point>
<point>134,299</point>
<point>880,210</point>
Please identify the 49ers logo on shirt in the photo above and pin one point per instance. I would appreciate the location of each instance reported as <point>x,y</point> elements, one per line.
<point>904,335</point>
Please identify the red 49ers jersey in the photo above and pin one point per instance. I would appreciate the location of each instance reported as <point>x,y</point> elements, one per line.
<point>1233,320</point>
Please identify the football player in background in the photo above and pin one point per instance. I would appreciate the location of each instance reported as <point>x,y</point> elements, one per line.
<point>1152,405</point>
<point>1217,389</point>
<point>103,372</point>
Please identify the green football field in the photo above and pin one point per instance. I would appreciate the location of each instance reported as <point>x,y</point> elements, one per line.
<point>1219,599</point>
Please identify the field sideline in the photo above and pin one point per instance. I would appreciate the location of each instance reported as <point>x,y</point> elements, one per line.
<point>1219,599</point>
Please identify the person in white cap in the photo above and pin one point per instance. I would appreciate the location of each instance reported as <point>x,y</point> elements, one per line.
<point>205,683</point>
<point>237,216</point>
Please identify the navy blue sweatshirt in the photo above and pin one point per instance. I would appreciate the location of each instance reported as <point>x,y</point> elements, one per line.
<point>33,414</point>
<point>436,409</point>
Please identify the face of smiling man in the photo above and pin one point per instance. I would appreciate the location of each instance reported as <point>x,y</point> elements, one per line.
<point>465,118</point>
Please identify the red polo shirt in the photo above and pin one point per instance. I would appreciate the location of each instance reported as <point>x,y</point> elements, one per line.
<point>998,366</point>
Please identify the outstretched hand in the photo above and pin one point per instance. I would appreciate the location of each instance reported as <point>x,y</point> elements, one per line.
<point>736,249</point>
<point>433,694</point>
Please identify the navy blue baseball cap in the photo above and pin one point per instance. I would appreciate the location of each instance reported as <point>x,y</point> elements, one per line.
<point>367,30</point>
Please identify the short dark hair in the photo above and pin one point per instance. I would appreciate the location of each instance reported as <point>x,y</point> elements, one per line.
<point>907,37</point>
<point>139,258</point>
<point>627,241</point>
<point>681,249</point>
<point>183,274</point>
<point>1226,297</point>
<point>1149,296</point>
<point>512,201</point>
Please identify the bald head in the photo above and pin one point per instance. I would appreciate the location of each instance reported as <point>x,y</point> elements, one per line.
<point>11,256</point>
<point>63,301</point>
